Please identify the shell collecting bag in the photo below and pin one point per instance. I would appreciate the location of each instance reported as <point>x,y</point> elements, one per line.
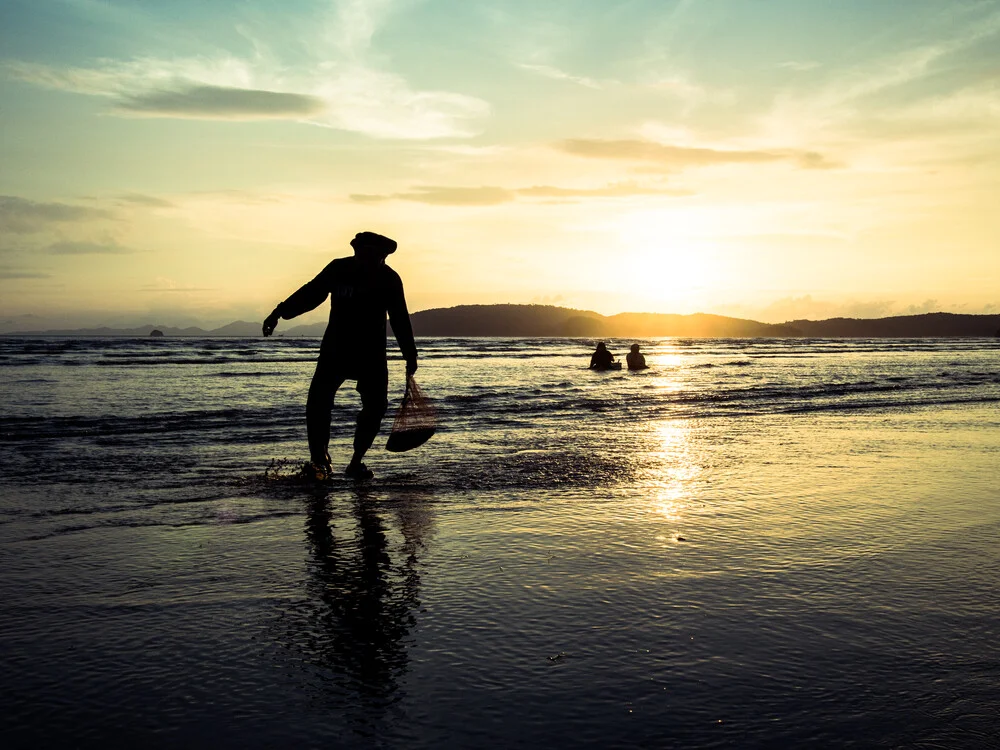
<point>415,421</point>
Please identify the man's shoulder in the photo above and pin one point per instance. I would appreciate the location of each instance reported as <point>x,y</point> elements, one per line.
<point>390,276</point>
<point>337,267</point>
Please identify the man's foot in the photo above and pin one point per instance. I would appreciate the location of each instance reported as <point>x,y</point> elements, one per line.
<point>313,472</point>
<point>358,472</point>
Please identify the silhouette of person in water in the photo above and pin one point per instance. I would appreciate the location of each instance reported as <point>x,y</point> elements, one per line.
<point>634,359</point>
<point>362,290</point>
<point>601,359</point>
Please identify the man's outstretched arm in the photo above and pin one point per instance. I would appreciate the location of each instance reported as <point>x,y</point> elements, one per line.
<point>305,298</point>
<point>399,319</point>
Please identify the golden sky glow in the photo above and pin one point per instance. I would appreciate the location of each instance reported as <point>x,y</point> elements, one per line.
<point>195,162</point>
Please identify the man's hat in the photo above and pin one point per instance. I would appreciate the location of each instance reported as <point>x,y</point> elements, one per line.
<point>372,241</point>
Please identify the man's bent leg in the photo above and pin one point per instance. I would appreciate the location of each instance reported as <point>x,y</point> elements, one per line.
<point>324,385</point>
<point>373,387</point>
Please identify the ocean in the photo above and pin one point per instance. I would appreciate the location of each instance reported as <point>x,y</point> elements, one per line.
<point>754,543</point>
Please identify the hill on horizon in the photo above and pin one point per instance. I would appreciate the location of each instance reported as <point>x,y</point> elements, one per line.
<point>550,320</point>
<point>554,321</point>
<point>927,325</point>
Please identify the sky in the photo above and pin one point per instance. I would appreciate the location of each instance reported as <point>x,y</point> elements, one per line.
<point>195,161</point>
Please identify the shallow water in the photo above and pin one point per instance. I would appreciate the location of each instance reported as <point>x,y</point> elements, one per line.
<point>755,543</point>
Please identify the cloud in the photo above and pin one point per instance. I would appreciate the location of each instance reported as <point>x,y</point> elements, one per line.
<point>343,86</point>
<point>891,85</point>
<point>928,305</point>
<point>679,157</point>
<point>684,157</point>
<point>88,248</point>
<point>683,88</point>
<point>491,196</point>
<point>151,288</point>
<point>16,273</point>
<point>808,308</point>
<point>813,160</point>
<point>908,65</point>
<point>354,23</point>
<point>445,196</point>
<point>124,78</point>
<point>799,65</point>
<point>614,190</point>
<point>383,105</point>
<point>151,201</point>
<point>220,103</point>
<point>551,72</point>
<point>974,108</point>
<point>22,216</point>
<point>168,285</point>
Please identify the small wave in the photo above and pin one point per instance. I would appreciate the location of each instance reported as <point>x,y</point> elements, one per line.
<point>472,398</point>
<point>210,520</point>
<point>143,362</point>
<point>491,355</point>
<point>888,404</point>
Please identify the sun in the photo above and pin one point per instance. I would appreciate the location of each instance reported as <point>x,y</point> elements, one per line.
<point>665,258</point>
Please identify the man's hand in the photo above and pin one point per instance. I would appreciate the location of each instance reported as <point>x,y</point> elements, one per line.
<point>411,366</point>
<point>270,323</point>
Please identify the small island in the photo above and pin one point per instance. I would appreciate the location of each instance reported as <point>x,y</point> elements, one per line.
<point>156,333</point>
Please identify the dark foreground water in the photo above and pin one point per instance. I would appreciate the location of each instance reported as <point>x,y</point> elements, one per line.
<point>753,544</point>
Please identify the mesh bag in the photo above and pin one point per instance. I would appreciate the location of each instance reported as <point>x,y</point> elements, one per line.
<point>415,421</point>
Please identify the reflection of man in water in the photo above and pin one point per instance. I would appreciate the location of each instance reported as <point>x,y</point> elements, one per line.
<point>362,596</point>
<point>362,290</point>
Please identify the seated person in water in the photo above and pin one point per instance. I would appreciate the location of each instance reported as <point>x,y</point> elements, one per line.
<point>601,359</point>
<point>635,360</point>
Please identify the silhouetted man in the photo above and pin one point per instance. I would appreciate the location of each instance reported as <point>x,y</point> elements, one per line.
<point>363,289</point>
<point>601,359</point>
<point>635,359</point>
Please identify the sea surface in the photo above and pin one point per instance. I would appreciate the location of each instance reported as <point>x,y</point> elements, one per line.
<point>754,543</point>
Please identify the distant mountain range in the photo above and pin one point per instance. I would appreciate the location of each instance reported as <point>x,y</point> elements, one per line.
<point>548,320</point>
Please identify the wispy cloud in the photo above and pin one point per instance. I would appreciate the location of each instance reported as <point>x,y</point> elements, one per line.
<point>23,216</point>
<point>123,78</point>
<point>895,82</point>
<point>549,71</point>
<point>220,103</point>
<point>88,248</point>
<point>344,87</point>
<point>157,289</point>
<point>975,107</point>
<point>491,196</point>
<point>17,273</point>
<point>445,196</point>
<point>614,190</point>
<point>684,157</point>
<point>799,66</point>
<point>683,88</point>
<point>151,201</point>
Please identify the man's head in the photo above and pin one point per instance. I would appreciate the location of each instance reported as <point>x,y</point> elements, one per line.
<point>371,246</point>
<point>634,348</point>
